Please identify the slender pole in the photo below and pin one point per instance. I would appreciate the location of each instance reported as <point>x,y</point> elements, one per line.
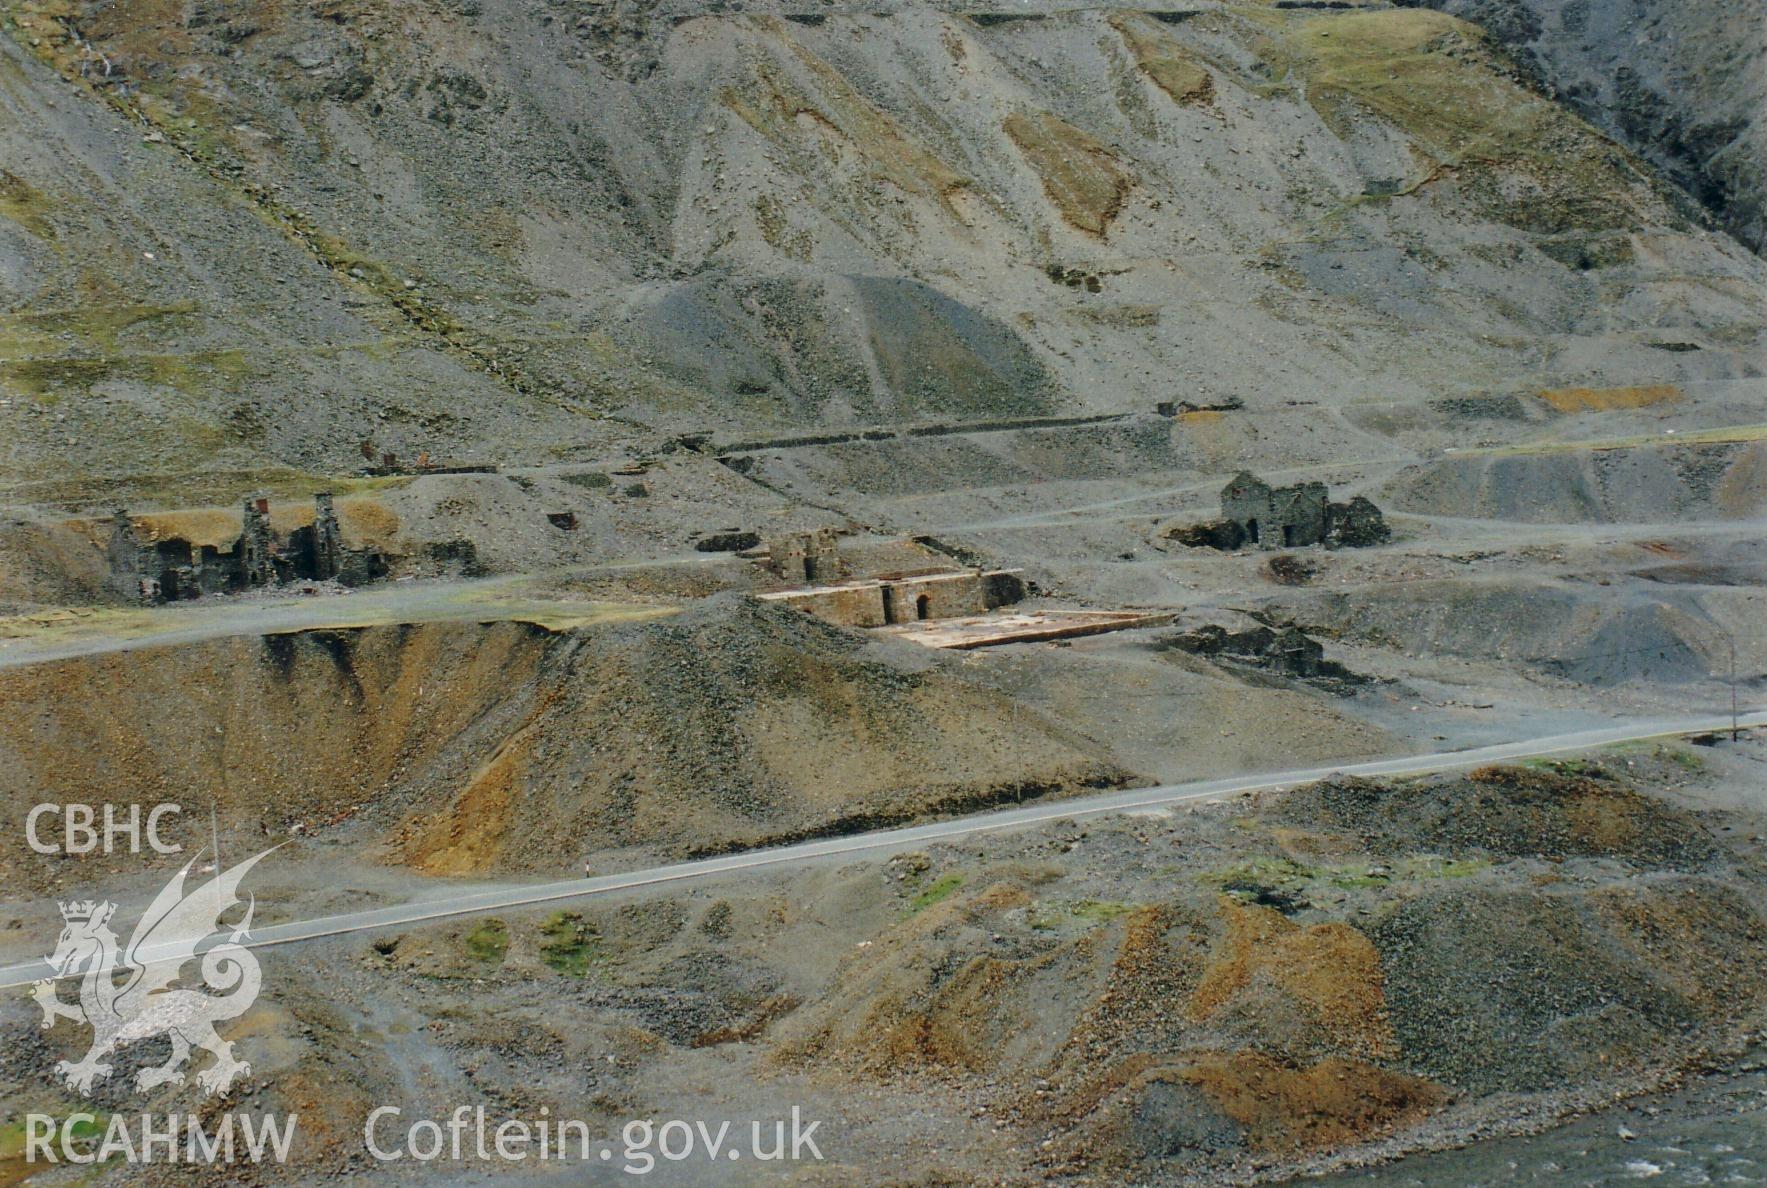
<point>1733,730</point>
<point>215,841</point>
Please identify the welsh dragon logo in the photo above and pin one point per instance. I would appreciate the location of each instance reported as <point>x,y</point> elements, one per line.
<point>177,928</point>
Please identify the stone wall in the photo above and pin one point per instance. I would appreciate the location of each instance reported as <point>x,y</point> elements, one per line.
<point>806,556</point>
<point>1289,517</point>
<point>171,568</point>
<point>906,598</point>
<point>1358,524</point>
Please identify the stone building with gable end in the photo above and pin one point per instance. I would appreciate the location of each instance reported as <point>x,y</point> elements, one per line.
<point>1255,513</point>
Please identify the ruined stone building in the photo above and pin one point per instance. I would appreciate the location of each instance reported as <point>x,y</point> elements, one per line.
<point>1276,517</point>
<point>881,599</point>
<point>325,546</point>
<point>170,568</point>
<point>895,598</point>
<point>1286,650</point>
<point>256,554</point>
<point>1254,512</point>
<point>1358,523</point>
<point>806,556</point>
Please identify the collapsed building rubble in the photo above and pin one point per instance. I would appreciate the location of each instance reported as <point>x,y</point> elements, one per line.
<point>1285,651</point>
<point>1255,513</point>
<point>1177,408</point>
<point>168,568</point>
<point>382,463</point>
<point>727,540</point>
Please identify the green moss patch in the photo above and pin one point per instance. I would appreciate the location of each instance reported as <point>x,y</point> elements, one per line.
<point>938,891</point>
<point>85,1135</point>
<point>1259,872</point>
<point>488,942</point>
<point>568,945</point>
<point>25,205</point>
<point>199,371</point>
<point>96,328</point>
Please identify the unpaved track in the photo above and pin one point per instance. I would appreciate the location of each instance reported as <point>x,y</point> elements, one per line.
<point>888,840</point>
<point>1061,516</point>
<point>427,601</point>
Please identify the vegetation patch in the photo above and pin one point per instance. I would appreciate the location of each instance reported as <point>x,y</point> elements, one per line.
<point>1676,753</point>
<point>1572,400</point>
<point>1427,73</point>
<point>1124,317</point>
<point>488,942</point>
<point>1521,157</point>
<point>1101,910</point>
<point>1081,177</point>
<point>1563,767</point>
<point>84,1131</point>
<point>936,892</point>
<point>1365,875</point>
<point>1285,884</point>
<point>1093,911</point>
<point>569,945</point>
<point>1681,757</point>
<point>838,125</point>
<point>25,205</point>
<point>1164,60</point>
<point>1261,878</point>
<point>1727,435</point>
<point>96,327</point>
<point>1587,253</point>
<point>197,371</point>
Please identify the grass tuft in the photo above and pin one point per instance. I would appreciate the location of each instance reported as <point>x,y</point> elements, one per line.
<point>488,942</point>
<point>938,891</point>
<point>569,945</point>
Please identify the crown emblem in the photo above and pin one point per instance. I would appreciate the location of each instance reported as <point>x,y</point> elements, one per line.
<point>78,911</point>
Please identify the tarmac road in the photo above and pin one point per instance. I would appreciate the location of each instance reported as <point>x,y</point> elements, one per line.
<point>884,841</point>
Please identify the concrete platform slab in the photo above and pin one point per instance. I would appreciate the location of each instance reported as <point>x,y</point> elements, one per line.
<point>981,631</point>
